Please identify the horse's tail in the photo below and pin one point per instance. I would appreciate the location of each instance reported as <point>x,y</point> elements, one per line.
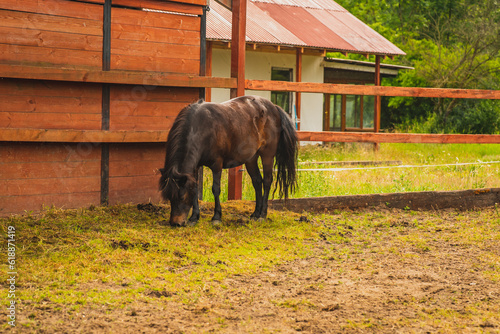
<point>286,156</point>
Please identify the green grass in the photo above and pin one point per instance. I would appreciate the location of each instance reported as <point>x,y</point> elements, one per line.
<point>386,180</point>
<point>128,253</point>
<point>115,257</point>
<point>110,258</point>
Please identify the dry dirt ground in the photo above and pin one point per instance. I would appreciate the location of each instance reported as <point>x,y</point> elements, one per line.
<point>441,287</point>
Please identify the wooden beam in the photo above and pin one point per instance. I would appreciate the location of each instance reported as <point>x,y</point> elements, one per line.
<point>238,35</point>
<point>426,200</point>
<point>81,136</point>
<point>132,136</point>
<point>312,87</point>
<point>113,76</point>
<point>193,9</point>
<point>371,137</point>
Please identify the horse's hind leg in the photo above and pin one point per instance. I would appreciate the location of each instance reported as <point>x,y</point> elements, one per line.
<point>267,164</point>
<point>216,191</point>
<point>252,168</point>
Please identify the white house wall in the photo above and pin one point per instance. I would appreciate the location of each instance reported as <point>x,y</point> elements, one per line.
<point>312,103</point>
<point>258,67</point>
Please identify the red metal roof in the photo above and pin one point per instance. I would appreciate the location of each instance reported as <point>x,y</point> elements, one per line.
<point>319,24</point>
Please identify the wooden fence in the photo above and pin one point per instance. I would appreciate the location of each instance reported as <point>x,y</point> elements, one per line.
<point>77,80</point>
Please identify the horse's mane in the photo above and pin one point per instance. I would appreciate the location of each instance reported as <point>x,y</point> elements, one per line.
<point>176,147</point>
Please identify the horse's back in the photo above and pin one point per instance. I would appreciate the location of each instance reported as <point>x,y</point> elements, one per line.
<point>237,129</point>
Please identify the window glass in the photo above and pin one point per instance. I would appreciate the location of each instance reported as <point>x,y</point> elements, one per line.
<point>335,112</point>
<point>368,111</point>
<point>353,111</point>
<point>282,99</point>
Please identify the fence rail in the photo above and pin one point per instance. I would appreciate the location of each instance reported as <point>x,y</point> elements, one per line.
<point>311,87</point>
<point>370,137</point>
<point>114,76</point>
<point>134,136</point>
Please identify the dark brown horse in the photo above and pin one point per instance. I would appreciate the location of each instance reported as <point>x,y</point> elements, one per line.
<point>227,135</point>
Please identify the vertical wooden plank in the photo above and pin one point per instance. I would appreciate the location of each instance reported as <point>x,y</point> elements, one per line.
<point>106,36</point>
<point>343,113</point>
<point>377,98</point>
<point>208,91</point>
<point>361,111</point>
<point>238,72</point>
<point>106,65</point>
<point>203,42</point>
<point>203,72</point>
<point>238,44</point>
<point>326,113</point>
<point>298,95</point>
<point>378,101</point>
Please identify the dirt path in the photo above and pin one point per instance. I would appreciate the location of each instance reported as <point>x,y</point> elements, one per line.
<point>391,285</point>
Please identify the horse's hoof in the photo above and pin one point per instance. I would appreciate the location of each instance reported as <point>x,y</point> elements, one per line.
<point>216,223</point>
<point>192,223</point>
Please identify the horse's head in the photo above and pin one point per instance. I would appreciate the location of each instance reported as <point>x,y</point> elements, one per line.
<point>180,190</point>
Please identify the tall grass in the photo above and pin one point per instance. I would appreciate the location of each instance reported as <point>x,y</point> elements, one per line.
<point>371,180</point>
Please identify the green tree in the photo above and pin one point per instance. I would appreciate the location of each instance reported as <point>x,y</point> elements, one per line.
<point>450,43</point>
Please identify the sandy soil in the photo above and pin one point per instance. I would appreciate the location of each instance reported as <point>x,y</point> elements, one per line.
<point>443,289</point>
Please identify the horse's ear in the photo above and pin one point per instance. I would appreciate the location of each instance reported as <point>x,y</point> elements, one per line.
<point>162,171</point>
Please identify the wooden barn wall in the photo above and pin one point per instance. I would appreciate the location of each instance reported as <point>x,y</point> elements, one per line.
<point>63,33</point>
<point>154,42</point>
<point>51,32</point>
<point>133,172</point>
<point>133,168</point>
<point>37,175</point>
<point>49,105</point>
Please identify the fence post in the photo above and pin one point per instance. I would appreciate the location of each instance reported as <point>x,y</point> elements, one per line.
<point>238,72</point>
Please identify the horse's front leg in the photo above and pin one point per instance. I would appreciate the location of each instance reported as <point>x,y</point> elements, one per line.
<point>252,168</point>
<point>195,215</point>
<point>216,191</point>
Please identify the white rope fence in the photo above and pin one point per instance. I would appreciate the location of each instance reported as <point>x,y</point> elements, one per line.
<point>398,166</point>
